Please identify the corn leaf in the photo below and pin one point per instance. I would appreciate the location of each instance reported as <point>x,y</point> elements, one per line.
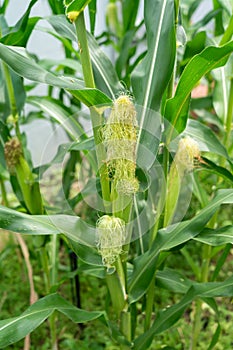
<point>168,238</point>
<point>209,59</point>
<point>14,329</point>
<point>25,66</point>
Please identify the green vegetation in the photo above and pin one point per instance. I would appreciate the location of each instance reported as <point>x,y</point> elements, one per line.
<point>124,239</point>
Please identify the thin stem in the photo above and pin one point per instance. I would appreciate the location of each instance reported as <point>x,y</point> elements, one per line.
<point>149,304</point>
<point>54,260</point>
<point>228,33</point>
<point>52,323</point>
<point>116,291</point>
<point>10,89</point>
<point>12,100</point>
<point>229,116</point>
<point>126,327</point>
<point>139,225</point>
<point>4,194</point>
<point>198,310</point>
<point>206,257</point>
<point>45,266</point>
<point>84,51</point>
<point>96,118</point>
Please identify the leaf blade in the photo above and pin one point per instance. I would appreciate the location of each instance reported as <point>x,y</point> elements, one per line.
<point>210,58</point>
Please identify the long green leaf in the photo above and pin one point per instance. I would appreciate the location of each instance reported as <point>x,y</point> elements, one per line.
<point>92,15</point>
<point>62,27</point>
<point>129,13</point>
<point>220,171</point>
<point>173,281</point>
<point>167,318</point>
<point>72,226</point>
<point>76,5</point>
<point>63,149</point>
<point>14,329</point>
<point>105,74</point>
<point>26,67</point>
<point>209,59</point>
<point>59,113</point>
<point>169,238</point>
<point>220,95</point>
<point>20,33</point>
<point>152,75</point>
<point>218,237</point>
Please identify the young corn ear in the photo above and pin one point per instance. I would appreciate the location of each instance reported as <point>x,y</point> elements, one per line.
<point>13,152</point>
<point>19,168</point>
<point>120,137</point>
<point>188,151</point>
<point>111,235</point>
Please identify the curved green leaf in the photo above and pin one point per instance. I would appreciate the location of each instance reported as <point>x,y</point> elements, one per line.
<point>63,27</point>
<point>26,67</point>
<point>168,238</point>
<point>168,317</point>
<point>220,171</point>
<point>66,62</point>
<point>63,149</point>
<point>87,254</point>
<point>54,109</point>
<point>210,58</point>
<point>14,329</point>
<point>105,74</point>
<point>75,5</point>
<point>218,237</point>
<point>20,33</point>
<point>173,281</point>
<point>71,226</point>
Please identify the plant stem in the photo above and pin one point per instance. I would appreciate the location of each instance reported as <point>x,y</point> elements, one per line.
<point>149,304</point>
<point>53,260</point>
<point>10,89</point>
<point>52,324</point>
<point>12,100</point>
<point>115,281</point>
<point>228,33</point>
<point>229,116</point>
<point>126,327</point>
<point>84,51</point>
<point>4,194</point>
<point>206,257</point>
<point>116,291</point>
<point>96,118</point>
<point>45,266</point>
<point>198,310</point>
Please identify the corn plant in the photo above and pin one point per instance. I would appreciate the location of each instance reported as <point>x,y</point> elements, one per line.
<point>153,171</point>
